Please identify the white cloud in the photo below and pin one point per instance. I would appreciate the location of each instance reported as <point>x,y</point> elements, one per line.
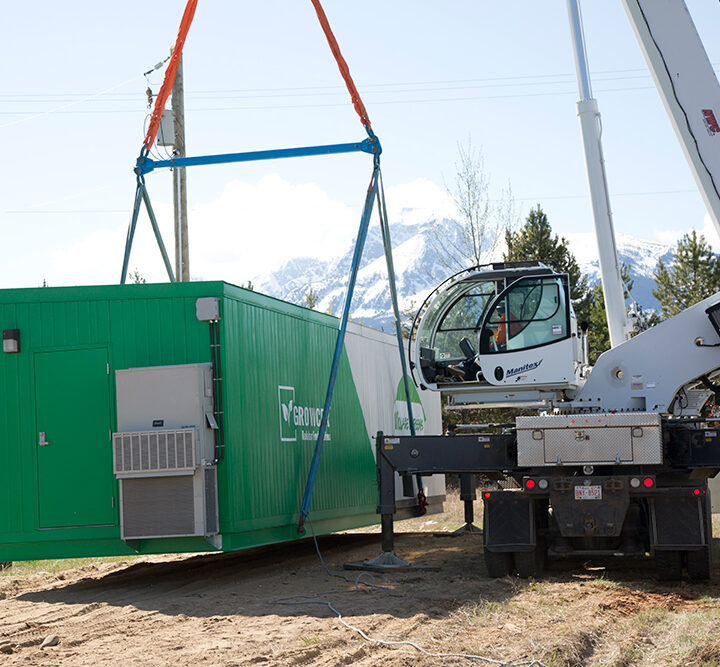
<point>418,201</point>
<point>708,230</point>
<point>97,258</point>
<point>711,233</point>
<point>253,228</point>
<point>249,230</point>
<point>583,246</point>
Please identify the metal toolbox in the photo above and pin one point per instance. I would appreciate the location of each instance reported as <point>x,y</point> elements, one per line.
<point>624,438</point>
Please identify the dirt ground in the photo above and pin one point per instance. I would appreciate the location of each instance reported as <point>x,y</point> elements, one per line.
<point>223,609</point>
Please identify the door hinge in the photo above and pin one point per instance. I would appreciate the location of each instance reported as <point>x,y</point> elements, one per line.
<point>108,368</point>
<point>112,502</point>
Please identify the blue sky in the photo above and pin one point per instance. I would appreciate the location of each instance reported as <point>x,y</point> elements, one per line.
<point>260,75</point>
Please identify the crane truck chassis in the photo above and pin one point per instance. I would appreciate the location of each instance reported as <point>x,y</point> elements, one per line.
<point>588,511</point>
<point>617,459</point>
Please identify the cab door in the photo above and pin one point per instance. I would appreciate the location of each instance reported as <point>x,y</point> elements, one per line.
<point>74,456</point>
<point>527,335</point>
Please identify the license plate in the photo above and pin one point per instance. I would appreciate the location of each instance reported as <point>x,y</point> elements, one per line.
<point>588,492</point>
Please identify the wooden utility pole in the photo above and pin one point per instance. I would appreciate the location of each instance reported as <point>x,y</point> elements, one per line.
<point>182,255</point>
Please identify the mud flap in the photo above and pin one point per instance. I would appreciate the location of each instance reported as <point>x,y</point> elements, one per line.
<point>509,522</point>
<point>677,522</point>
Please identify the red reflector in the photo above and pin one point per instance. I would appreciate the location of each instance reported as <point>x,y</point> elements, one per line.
<point>486,494</point>
<point>648,482</point>
<point>530,484</point>
<point>696,492</point>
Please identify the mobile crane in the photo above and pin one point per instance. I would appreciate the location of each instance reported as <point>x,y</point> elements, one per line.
<point>617,460</point>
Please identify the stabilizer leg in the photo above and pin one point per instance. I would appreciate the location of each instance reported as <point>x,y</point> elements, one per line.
<point>467,495</point>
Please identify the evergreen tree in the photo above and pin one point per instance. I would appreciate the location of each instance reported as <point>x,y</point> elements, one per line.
<point>598,332</point>
<point>407,316</point>
<point>136,278</point>
<point>535,241</point>
<point>693,275</point>
<point>311,299</point>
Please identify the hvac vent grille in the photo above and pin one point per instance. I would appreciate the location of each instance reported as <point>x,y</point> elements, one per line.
<point>157,507</point>
<point>154,451</point>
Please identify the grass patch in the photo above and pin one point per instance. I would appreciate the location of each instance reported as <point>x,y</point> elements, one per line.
<point>660,636</point>
<point>29,567</point>
<point>310,641</point>
<point>572,647</point>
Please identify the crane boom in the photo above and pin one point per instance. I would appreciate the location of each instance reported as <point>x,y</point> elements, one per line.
<point>687,85</point>
<point>590,125</point>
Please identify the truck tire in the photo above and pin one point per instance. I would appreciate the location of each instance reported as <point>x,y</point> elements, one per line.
<point>698,564</point>
<point>530,563</point>
<point>668,565</point>
<point>498,563</point>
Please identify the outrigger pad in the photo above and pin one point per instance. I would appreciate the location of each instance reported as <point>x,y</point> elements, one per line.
<point>388,561</point>
<point>466,529</point>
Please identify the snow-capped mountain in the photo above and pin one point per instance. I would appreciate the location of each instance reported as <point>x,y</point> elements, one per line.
<point>640,255</point>
<point>419,269</point>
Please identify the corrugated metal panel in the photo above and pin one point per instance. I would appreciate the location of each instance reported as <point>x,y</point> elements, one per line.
<point>264,350</point>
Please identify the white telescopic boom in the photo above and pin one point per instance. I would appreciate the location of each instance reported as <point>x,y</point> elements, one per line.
<point>591,127</point>
<point>687,85</point>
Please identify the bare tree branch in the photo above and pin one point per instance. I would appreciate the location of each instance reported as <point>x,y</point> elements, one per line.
<point>482,222</point>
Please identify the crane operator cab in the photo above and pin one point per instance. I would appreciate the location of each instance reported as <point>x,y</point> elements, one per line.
<point>499,335</point>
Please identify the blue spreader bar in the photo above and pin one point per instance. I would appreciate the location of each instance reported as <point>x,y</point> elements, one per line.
<point>145,165</point>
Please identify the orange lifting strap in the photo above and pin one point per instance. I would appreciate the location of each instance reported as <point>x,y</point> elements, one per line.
<point>170,72</point>
<point>169,79</point>
<point>343,66</point>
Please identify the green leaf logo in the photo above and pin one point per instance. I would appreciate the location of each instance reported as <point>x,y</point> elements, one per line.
<point>286,407</point>
<point>287,411</point>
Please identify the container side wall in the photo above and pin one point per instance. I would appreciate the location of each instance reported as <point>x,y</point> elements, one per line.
<point>275,374</point>
<point>375,362</point>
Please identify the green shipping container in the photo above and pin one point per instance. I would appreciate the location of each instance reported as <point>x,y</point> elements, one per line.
<point>114,412</point>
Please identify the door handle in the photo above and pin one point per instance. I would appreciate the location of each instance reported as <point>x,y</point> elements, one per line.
<point>42,442</point>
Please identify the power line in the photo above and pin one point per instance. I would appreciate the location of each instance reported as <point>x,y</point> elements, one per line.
<point>240,94</point>
<point>334,91</point>
<point>596,74</point>
<point>612,195</point>
<point>517,199</point>
<point>73,211</point>
<point>65,106</point>
<point>268,107</point>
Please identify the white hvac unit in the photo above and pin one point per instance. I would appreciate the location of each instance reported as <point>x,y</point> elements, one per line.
<point>163,452</point>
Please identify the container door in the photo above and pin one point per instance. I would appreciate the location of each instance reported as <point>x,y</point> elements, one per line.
<point>72,403</point>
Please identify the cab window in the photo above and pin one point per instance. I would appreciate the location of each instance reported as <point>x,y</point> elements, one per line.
<point>532,312</point>
<point>463,318</point>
